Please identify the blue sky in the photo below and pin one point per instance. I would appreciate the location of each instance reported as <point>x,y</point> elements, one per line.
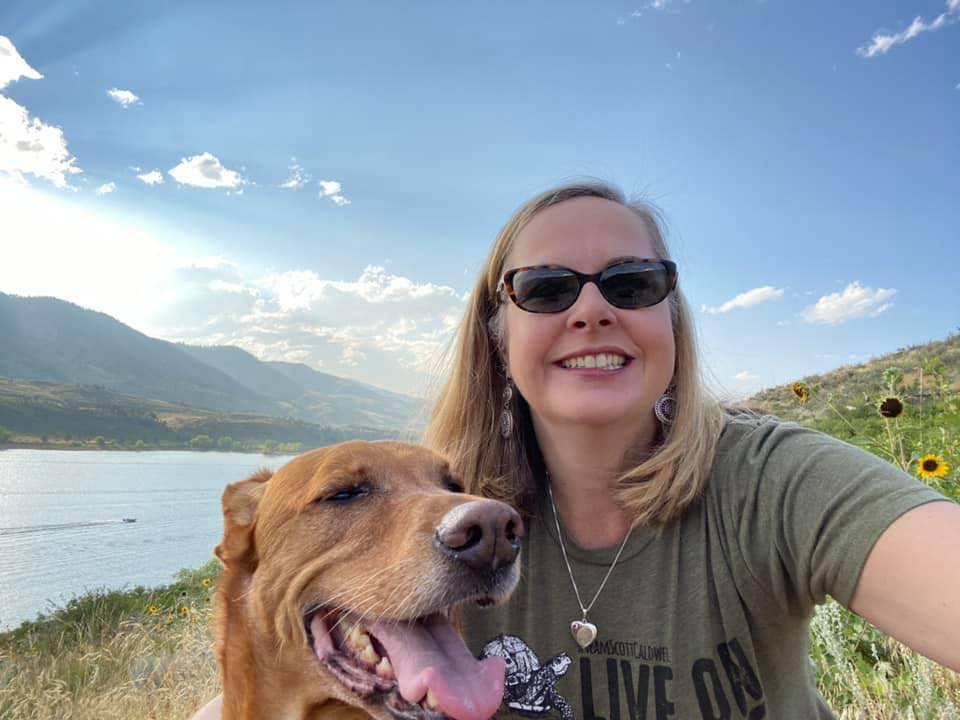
<point>320,182</point>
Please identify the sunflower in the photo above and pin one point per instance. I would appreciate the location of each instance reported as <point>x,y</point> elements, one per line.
<point>932,466</point>
<point>184,610</point>
<point>891,407</point>
<point>154,610</point>
<point>801,391</point>
<point>206,582</point>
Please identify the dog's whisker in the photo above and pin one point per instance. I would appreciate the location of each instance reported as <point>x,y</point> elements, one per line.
<point>352,599</point>
<point>362,586</point>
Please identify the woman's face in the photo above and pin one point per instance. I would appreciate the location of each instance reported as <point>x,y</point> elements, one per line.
<point>587,234</point>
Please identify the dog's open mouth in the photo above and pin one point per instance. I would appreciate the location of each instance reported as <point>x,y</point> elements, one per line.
<point>419,670</point>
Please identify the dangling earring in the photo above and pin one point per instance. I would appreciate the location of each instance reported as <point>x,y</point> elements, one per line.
<point>666,409</point>
<point>506,417</point>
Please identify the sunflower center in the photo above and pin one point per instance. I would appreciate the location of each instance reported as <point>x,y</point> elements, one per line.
<point>930,465</point>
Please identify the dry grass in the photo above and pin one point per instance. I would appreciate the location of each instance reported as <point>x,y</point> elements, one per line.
<point>866,675</point>
<point>143,671</point>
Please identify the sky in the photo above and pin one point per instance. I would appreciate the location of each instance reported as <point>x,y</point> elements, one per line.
<point>320,182</point>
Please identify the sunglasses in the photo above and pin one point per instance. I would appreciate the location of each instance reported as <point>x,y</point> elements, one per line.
<point>626,285</point>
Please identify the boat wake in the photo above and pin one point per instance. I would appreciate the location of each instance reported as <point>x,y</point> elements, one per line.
<point>54,527</point>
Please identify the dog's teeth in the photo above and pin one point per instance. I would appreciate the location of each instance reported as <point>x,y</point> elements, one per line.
<point>431,701</point>
<point>368,654</point>
<point>385,669</point>
<point>358,637</point>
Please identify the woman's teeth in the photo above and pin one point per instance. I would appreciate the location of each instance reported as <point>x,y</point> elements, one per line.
<point>602,361</point>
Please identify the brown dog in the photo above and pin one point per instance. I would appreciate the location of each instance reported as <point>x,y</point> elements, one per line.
<point>340,575</point>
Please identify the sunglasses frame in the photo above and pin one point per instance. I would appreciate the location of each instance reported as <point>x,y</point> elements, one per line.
<point>506,282</point>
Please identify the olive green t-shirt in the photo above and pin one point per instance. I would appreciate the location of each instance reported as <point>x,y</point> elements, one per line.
<point>711,618</point>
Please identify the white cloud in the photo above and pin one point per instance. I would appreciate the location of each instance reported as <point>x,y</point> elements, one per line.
<point>882,42</point>
<point>745,376</point>
<point>746,299</point>
<point>12,65</point>
<point>855,301</point>
<point>381,328</point>
<point>29,146</point>
<point>123,97</point>
<point>304,289</point>
<point>329,187</point>
<point>298,177</point>
<point>205,171</point>
<point>106,188</point>
<point>154,177</point>
<point>333,190</point>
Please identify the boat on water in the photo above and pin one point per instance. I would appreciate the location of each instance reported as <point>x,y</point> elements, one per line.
<point>128,520</point>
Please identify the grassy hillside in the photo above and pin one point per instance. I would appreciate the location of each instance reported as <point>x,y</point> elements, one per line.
<point>923,415</point>
<point>146,653</point>
<point>75,416</point>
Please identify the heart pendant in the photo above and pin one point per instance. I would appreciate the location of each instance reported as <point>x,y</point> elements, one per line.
<point>583,632</point>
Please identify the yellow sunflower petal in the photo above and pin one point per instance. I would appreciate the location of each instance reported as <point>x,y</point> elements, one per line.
<point>932,466</point>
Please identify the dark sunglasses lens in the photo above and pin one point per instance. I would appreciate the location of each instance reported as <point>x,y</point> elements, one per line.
<point>635,285</point>
<point>545,290</point>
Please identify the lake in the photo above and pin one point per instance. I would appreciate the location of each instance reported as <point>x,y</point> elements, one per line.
<point>61,520</point>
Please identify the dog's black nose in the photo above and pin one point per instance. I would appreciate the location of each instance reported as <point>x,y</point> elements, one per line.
<point>484,534</point>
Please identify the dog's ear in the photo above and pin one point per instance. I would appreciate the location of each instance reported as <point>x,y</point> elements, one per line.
<point>240,501</point>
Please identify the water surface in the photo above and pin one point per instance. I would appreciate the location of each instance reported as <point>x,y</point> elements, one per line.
<point>61,520</point>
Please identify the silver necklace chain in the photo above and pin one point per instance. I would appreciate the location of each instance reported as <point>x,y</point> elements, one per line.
<point>556,518</point>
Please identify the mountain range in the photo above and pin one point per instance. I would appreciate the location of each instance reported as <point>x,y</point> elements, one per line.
<point>50,340</point>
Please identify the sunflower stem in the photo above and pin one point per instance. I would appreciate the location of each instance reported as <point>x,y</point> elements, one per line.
<point>921,408</point>
<point>840,414</point>
<point>893,449</point>
<point>903,457</point>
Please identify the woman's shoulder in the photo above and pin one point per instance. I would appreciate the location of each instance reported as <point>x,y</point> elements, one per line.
<point>743,427</point>
<point>755,441</point>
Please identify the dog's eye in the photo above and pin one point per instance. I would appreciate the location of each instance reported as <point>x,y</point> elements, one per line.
<point>452,485</point>
<point>347,494</point>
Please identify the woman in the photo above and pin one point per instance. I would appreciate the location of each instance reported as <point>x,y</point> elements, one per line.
<point>674,552</point>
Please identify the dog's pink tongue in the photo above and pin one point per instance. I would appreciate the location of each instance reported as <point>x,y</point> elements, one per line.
<point>431,655</point>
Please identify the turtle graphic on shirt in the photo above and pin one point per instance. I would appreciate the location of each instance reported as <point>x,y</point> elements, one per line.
<point>531,688</point>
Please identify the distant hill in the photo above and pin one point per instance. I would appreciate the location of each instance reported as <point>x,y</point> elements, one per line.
<point>856,390</point>
<point>82,412</point>
<point>54,341</point>
<point>311,395</point>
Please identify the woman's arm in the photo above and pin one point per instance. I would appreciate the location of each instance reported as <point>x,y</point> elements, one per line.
<point>910,584</point>
<point>210,711</point>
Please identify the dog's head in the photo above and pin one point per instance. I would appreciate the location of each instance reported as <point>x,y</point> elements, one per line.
<point>341,572</point>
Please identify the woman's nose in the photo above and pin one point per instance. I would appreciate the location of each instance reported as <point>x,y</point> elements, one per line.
<point>591,309</point>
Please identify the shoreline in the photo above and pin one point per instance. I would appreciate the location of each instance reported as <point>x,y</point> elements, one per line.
<point>85,448</point>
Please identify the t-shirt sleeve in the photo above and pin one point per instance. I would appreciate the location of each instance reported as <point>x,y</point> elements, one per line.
<point>805,509</point>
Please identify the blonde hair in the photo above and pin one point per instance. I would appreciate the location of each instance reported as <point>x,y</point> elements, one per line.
<point>464,424</point>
